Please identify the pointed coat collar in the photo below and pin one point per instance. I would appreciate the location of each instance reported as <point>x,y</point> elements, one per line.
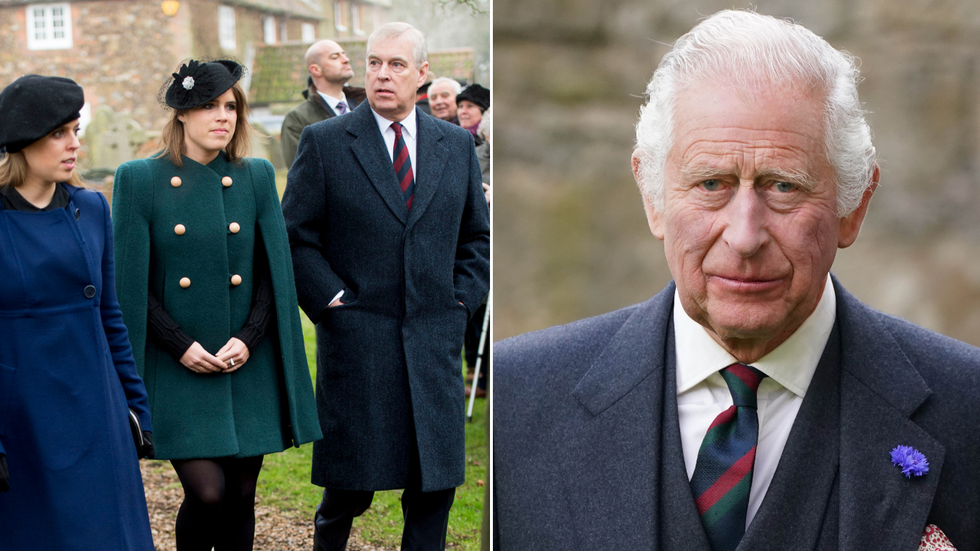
<point>431,155</point>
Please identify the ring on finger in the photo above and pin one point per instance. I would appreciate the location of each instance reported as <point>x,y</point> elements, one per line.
<point>232,362</point>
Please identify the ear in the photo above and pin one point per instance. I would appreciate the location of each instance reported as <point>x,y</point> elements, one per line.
<point>423,74</point>
<point>654,217</point>
<point>315,70</point>
<point>182,118</point>
<point>850,225</point>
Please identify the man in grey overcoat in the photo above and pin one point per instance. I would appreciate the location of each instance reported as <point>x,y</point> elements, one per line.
<point>390,239</point>
<point>753,404</point>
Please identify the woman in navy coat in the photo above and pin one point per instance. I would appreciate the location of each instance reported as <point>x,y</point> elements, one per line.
<point>67,376</point>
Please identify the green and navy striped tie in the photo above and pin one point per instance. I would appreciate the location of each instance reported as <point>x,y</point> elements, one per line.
<point>723,474</point>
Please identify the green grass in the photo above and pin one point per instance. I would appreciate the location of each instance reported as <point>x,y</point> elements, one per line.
<point>285,483</point>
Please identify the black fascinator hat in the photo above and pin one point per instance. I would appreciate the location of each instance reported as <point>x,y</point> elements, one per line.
<point>197,83</point>
<point>34,105</point>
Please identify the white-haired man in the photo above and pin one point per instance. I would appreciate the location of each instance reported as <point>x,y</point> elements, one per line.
<point>327,96</point>
<point>442,99</point>
<point>754,403</point>
<point>390,238</point>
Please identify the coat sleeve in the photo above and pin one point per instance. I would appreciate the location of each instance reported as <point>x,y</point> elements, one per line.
<point>304,208</point>
<point>115,330</point>
<point>471,273</point>
<point>301,406</point>
<point>292,128</point>
<point>131,225</point>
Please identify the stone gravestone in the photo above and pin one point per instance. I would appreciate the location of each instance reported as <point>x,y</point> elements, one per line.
<point>112,139</point>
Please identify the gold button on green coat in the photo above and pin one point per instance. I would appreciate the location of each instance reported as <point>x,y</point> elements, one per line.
<point>268,404</point>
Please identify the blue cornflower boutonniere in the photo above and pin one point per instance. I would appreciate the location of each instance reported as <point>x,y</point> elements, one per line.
<point>911,461</point>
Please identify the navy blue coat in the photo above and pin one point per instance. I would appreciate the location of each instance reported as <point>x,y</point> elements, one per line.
<point>67,375</point>
<point>587,451</point>
<point>389,374</point>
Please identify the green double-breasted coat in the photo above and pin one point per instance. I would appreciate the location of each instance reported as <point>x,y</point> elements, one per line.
<point>191,235</point>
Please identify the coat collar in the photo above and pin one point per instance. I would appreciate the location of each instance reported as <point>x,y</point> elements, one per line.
<point>880,390</point>
<point>611,459</point>
<point>430,157</point>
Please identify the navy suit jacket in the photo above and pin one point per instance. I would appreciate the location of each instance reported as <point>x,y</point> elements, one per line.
<point>389,376</point>
<point>587,449</point>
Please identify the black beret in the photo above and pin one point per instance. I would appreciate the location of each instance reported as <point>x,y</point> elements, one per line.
<point>34,105</point>
<point>197,83</point>
<point>475,94</point>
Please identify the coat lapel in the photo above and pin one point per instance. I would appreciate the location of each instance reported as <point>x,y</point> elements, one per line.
<point>430,156</point>
<point>611,462</point>
<point>800,508</point>
<point>880,389</point>
<point>370,151</point>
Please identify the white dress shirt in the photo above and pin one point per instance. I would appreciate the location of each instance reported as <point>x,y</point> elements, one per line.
<point>332,102</point>
<point>409,125</point>
<point>702,392</point>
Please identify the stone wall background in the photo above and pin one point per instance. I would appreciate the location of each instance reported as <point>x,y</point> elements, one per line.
<point>570,237</point>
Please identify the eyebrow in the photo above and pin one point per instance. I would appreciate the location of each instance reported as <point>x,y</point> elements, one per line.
<point>704,172</point>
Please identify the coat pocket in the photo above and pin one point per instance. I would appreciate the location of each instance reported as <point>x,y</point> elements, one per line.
<point>6,391</point>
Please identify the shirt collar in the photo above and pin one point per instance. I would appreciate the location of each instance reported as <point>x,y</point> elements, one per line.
<point>408,123</point>
<point>332,101</point>
<point>791,364</point>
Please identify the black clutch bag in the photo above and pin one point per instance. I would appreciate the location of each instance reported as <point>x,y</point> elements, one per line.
<point>134,424</point>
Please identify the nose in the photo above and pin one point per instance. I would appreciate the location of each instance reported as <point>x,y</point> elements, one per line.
<point>75,142</point>
<point>745,230</point>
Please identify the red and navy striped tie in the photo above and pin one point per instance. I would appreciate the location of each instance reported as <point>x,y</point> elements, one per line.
<point>723,474</point>
<point>403,165</point>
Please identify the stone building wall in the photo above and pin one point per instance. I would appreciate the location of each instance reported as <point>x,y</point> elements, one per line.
<point>570,236</point>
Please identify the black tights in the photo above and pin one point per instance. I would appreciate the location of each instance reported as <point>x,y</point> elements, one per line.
<point>219,503</point>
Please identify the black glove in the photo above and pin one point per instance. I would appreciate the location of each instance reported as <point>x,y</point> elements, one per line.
<point>147,451</point>
<point>4,474</point>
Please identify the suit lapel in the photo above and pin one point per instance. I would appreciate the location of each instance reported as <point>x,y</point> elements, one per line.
<point>880,389</point>
<point>430,156</point>
<point>370,151</point>
<point>799,508</point>
<point>610,463</point>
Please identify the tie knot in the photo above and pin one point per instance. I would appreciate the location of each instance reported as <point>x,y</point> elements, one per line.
<point>397,127</point>
<point>743,382</point>
<point>341,108</point>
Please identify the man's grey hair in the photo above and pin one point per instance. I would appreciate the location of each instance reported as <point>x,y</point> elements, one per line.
<point>453,83</point>
<point>420,52</point>
<point>750,50</point>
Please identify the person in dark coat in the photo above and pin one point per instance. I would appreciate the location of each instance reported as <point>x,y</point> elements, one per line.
<point>327,94</point>
<point>207,292</point>
<point>389,268</point>
<point>69,469</point>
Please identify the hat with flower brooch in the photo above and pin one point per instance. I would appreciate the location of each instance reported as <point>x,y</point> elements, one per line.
<point>197,83</point>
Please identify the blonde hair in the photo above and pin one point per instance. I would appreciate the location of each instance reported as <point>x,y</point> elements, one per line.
<point>240,146</point>
<point>14,168</point>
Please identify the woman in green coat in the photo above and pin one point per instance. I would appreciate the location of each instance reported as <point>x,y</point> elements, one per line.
<point>206,289</point>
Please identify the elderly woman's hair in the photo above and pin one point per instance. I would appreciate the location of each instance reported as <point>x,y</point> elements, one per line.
<point>420,52</point>
<point>453,84</point>
<point>749,50</point>
<point>240,146</point>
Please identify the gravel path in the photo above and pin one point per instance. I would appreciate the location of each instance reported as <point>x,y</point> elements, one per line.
<point>275,530</point>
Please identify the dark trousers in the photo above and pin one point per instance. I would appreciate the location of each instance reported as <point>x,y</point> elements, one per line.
<point>426,517</point>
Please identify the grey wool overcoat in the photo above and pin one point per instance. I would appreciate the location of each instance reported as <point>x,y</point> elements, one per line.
<point>389,382</point>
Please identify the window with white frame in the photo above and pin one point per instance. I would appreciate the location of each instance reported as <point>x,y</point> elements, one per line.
<point>355,19</point>
<point>269,30</point>
<point>340,15</point>
<point>309,33</point>
<point>48,26</point>
<point>226,27</point>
